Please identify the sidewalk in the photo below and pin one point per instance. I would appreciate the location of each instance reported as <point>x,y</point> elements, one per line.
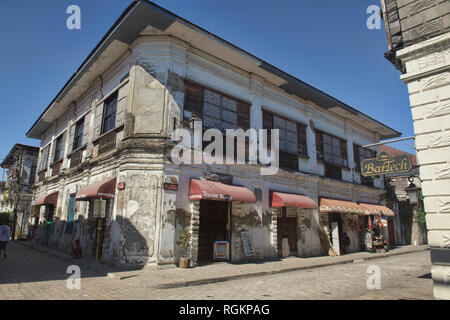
<point>150,277</point>
<point>223,271</point>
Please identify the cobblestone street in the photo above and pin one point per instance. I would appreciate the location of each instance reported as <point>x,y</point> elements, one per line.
<point>31,274</point>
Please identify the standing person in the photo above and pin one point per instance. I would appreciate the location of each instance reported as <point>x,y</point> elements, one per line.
<point>4,237</point>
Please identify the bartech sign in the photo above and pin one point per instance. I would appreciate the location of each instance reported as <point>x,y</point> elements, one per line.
<point>386,164</point>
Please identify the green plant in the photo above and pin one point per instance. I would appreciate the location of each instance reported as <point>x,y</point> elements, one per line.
<point>420,216</point>
<point>184,242</point>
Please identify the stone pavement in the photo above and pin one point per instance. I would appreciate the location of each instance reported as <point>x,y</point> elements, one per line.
<point>28,273</point>
<point>223,271</point>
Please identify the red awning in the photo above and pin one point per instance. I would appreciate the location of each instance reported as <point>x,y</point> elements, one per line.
<point>102,189</point>
<point>279,199</point>
<point>49,199</point>
<point>212,190</point>
<point>375,209</point>
<point>341,206</point>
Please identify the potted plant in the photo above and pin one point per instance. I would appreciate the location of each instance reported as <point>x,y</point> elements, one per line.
<point>184,242</point>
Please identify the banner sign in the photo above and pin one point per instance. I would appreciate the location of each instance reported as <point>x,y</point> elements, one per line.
<point>386,164</point>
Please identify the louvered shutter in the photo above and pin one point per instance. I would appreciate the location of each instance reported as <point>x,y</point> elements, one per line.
<point>72,134</point>
<point>98,120</point>
<point>121,105</point>
<point>87,122</point>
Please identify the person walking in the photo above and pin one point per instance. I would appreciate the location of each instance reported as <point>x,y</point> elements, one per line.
<point>4,237</point>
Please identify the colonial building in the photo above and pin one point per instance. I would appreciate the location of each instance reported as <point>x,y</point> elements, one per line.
<point>16,192</point>
<point>106,176</point>
<point>418,33</point>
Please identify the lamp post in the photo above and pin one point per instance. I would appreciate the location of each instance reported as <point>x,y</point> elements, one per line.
<point>413,194</point>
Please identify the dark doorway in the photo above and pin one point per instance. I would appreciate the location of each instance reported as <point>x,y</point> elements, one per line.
<point>213,227</point>
<point>49,213</point>
<point>287,228</point>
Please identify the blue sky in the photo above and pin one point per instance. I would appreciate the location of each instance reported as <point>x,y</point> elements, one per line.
<point>325,44</point>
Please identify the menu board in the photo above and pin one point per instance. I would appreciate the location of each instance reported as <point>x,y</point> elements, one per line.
<point>247,243</point>
<point>221,250</point>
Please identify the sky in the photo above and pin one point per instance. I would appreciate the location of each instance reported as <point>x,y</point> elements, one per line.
<point>324,43</point>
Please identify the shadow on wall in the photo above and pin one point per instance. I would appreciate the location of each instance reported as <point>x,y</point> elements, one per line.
<point>118,243</point>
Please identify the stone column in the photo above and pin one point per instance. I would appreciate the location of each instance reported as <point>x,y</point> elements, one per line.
<point>428,79</point>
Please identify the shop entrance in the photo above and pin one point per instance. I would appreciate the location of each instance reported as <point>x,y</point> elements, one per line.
<point>336,234</point>
<point>213,227</point>
<point>287,228</point>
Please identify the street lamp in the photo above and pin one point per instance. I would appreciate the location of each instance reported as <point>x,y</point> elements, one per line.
<point>413,192</point>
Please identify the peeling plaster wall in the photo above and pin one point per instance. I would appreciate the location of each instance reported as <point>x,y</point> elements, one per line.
<point>144,220</point>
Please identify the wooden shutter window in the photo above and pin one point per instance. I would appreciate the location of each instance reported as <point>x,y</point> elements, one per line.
<point>59,149</point>
<point>109,113</point>
<point>87,119</point>
<point>193,104</point>
<point>319,146</point>
<point>78,134</point>
<point>44,158</point>
<point>302,142</point>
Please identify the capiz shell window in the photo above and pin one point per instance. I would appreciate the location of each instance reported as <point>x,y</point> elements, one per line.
<point>216,110</point>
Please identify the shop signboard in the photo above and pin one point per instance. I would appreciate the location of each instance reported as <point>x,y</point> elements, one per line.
<point>386,164</point>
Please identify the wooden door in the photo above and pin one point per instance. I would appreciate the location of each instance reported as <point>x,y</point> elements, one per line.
<point>287,228</point>
<point>213,227</point>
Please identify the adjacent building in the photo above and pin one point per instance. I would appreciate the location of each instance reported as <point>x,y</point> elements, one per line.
<point>106,176</point>
<point>404,230</point>
<point>17,192</point>
<point>418,33</point>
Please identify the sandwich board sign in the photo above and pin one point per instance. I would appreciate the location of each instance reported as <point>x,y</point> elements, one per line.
<point>247,243</point>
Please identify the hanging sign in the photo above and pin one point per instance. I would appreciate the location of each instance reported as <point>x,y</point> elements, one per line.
<point>386,164</point>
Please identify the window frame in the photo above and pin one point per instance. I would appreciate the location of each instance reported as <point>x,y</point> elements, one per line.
<point>367,181</point>
<point>58,151</point>
<point>242,117</point>
<point>107,105</point>
<point>77,136</point>
<point>269,125</point>
<point>342,147</point>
